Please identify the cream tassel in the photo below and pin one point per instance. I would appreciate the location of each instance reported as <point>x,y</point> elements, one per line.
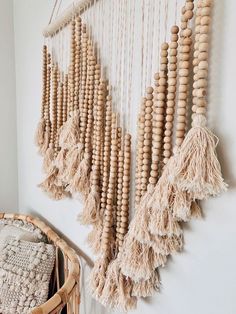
<point>69,132</point>
<point>167,245</point>
<point>60,161</point>
<point>98,276</point>
<point>138,260</point>
<point>139,225</point>
<point>73,159</point>
<point>80,181</point>
<point>147,288</point>
<point>48,161</point>
<point>91,212</point>
<point>52,186</point>
<point>197,168</point>
<point>39,134</point>
<point>94,237</point>
<point>117,289</point>
<point>46,141</point>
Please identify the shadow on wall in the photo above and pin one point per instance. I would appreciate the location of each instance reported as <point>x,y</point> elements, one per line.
<point>215,89</point>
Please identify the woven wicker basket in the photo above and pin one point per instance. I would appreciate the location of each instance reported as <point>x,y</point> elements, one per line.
<point>68,295</point>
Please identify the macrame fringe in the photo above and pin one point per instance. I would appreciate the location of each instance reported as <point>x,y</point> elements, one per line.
<point>91,212</point>
<point>167,245</point>
<point>94,237</point>
<point>80,182</point>
<point>196,211</point>
<point>138,260</point>
<point>39,134</point>
<point>98,277</point>
<point>197,169</point>
<point>147,288</point>
<point>60,161</point>
<point>73,159</point>
<point>48,161</point>
<point>69,132</point>
<point>139,225</point>
<point>46,141</point>
<point>52,186</point>
<point>163,224</point>
<point>181,208</point>
<point>117,289</point>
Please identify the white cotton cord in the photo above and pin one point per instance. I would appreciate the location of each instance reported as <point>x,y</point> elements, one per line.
<point>166,18</point>
<point>131,55</point>
<point>142,50</point>
<point>159,34</point>
<point>151,32</point>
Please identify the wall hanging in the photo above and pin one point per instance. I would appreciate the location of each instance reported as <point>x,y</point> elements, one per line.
<point>84,134</point>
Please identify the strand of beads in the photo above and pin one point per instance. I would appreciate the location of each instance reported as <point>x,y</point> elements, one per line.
<point>195,56</point>
<point>59,111</point>
<point>91,214</point>
<point>84,85</point>
<point>108,221</point>
<point>147,143</point>
<point>159,111</point>
<point>48,99</point>
<point>77,62</point>
<point>203,57</point>
<point>119,196</point>
<point>124,214</point>
<point>139,157</point>
<point>44,83</point>
<point>91,78</point>
<point>71,75</point>
<point>184,65</point>
<point>97,77</point>
<point>65,99</point>
<point>53,138</point>
<point>171,94</point>
<point>106,154</point>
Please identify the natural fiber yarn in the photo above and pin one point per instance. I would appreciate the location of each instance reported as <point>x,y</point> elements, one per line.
<point>146,288</point>
<point>197,169</point>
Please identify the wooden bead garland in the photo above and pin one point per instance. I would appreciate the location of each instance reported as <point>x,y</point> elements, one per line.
<point>124,213</point>
<point>119,195</point>
<point>77,70</point>
<point>108,221</point>
<point>59,111</point>
<point>184,55</point>
<point>139,157</point>
<point>53,137</point>
<point>91,73</point>
<point>171,94</point>
<point>106,154</point>
<point>160,96</point>
<point>84,85</point>
<point>65,99</point>
<point>196,54</point>
<point>71,75</point>
<point>48,99</point>
<point>202,73</point>
<point>147,141</point>
<point>44,83</point>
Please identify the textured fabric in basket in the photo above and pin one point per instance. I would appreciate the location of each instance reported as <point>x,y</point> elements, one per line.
<point>25,271</point>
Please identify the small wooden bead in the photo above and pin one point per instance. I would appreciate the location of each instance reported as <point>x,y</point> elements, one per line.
<point>174,29</point>
<point>205,20</point>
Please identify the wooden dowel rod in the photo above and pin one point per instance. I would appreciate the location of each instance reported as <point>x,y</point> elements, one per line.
<point>66,16</point>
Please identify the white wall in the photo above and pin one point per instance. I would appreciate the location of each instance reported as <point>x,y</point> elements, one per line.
<point>203,278</point>
<point>8,148</point>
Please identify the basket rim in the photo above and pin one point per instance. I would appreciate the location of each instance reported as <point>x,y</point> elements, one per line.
<point>62,295</point>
